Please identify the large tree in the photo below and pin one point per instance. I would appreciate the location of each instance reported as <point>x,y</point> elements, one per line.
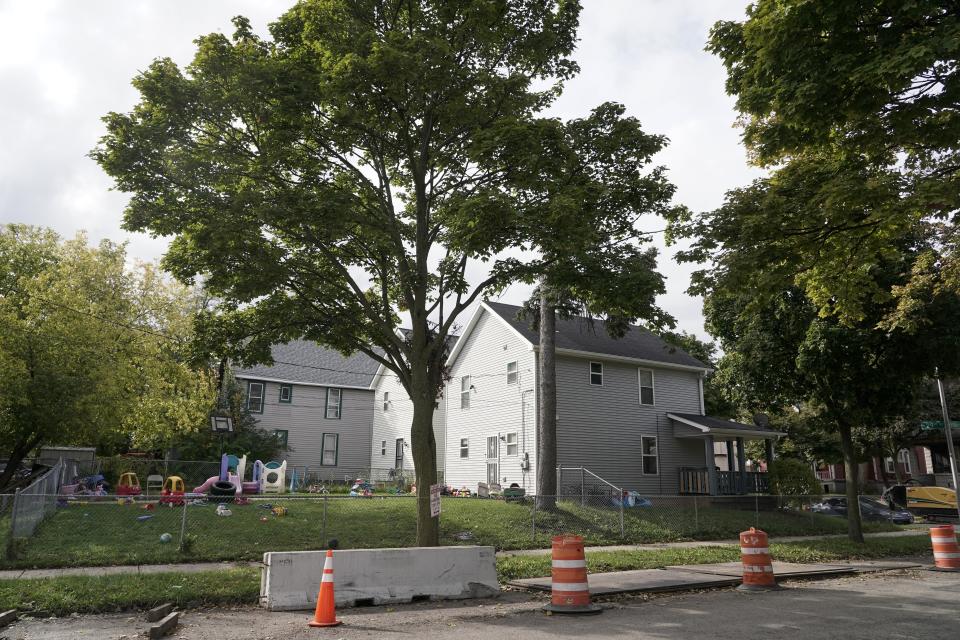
<point>91,353</point>
<point>344,171</point>
<point>877,83</point>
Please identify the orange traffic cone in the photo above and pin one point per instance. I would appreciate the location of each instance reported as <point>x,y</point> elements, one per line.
<point>570,592</point>
<point>757,566</point>
<point>326,614</point>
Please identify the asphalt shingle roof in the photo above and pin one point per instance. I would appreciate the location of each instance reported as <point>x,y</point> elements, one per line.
<point>581,334</point>
<point>307,362</point>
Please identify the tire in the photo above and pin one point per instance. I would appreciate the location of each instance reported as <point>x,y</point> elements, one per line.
<point>222,491</point>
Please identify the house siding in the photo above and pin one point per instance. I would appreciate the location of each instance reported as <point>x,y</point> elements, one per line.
<point>599,427</point>
<point>395,423</point>
<point>305,422</point>
<point>495,407</point>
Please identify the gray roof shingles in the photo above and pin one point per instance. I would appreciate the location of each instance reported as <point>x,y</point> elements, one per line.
<point>307,362</point>
<point>581,334</point>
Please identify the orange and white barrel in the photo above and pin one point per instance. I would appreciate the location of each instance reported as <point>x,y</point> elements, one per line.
<point>570,592</point>
<point>757,565</point>
<point>946,552</point>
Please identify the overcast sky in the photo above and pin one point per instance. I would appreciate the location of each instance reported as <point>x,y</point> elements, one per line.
<point>64,64</point>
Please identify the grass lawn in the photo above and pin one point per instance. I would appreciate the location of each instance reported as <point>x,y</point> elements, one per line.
<point>80,594</point>
<point>90,534</point>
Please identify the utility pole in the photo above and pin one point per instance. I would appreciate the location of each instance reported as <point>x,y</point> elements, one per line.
<point>949,434</point>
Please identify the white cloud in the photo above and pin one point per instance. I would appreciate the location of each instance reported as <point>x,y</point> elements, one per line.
<point>64,64</point>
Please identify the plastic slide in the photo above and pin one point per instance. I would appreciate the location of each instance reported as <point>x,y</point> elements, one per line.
<point>205,487</point>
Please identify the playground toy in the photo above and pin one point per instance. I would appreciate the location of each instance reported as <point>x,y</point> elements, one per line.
<point>232,470</point>
<point>273,477</point>
<point>128,484</point>
<point>165,537</point>
<point>173,491</point>
<point>222,510</point>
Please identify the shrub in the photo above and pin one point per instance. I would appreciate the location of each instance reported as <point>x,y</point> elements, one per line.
<point>792,477</point>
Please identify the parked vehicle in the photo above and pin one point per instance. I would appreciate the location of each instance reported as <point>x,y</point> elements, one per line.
<point>934,502</point>
<point>871,509</point>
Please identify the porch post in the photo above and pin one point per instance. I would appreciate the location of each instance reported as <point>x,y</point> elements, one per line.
<point>768,451</point>
<point>730,465</point>
<point>711,464</point>
<point>742,465</point>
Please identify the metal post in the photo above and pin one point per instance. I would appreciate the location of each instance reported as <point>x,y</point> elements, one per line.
<point>533,520</point>
<point>559,480</point>
<point>756,507</point>
<point>622,500</point>
<point>183,523</point>
<point>323,530</point>
<point>583,497</point>
<point>948,432</point>
<point>696,515</point>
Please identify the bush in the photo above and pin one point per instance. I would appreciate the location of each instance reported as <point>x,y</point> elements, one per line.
<point>791,477</point>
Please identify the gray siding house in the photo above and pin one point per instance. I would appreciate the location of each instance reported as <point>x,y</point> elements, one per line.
<point>629,409</point>
<point>320,405</point>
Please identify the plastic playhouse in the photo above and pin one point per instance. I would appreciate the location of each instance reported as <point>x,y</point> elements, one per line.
<point>173,491</point>
<point>230,483</point>
<point>128,484</point>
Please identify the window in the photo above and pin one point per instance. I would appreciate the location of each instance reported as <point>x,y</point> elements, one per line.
<point>903,457</point>
<point>386,400</point>
<point>511,444</point>
<point>383,447</point>
<point>648,451</point>
<point>888,463</point>
<point>465,392</point>
<point>464,447</point>
<point>281,436</point>
<point>646,386</point>
<point>286,393</point>
<point>331,444</point>
<point>596,373</point>
<point>333,403</point>
<point>255,397</point>
<point>512,374</point>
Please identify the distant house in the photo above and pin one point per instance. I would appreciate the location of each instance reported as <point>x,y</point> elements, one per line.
<point>628,409</point>
<point>319,404</point>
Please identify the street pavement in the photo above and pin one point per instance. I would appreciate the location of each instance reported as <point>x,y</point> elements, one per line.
<point>902,604</point>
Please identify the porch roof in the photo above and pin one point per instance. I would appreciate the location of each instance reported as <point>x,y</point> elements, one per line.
<point>711,426</point>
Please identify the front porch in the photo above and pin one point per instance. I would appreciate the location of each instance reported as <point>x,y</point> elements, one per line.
<point>710,479</point>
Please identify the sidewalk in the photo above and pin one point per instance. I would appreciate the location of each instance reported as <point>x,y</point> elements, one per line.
<point>197,567</point>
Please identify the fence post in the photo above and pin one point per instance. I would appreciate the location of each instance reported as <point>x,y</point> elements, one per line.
<point>696,515</point>
<point>533,520</point>
<point>622,500</point>
<point>13,524</point>
<point>183,523</point>
<point>323,529</point>
<point>583,497</point>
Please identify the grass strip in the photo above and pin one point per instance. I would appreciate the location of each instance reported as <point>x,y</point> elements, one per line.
<point>828,550</point>
<point>97,594</point>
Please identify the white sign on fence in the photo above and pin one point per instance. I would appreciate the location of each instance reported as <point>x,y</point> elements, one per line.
<point>434,500</point>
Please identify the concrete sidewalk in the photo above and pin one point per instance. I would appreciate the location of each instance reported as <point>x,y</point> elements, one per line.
<point>715,543</point>
<point>197,567</point>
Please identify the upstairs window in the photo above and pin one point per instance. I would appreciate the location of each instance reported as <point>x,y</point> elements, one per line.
<point>464,447</point>
<point>645,377</point>
<point>596,373</point>
<point>286,393</point>
<point>334,397</point>
<point>255,397</point>
<point>465,392</point>
<point>386,400</point>
<point>512,373</point>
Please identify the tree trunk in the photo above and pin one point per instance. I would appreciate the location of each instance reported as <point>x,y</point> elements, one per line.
<point>17,455</point>
<point>547,395</point>
<point>423,445</point>
<point>854,528</point>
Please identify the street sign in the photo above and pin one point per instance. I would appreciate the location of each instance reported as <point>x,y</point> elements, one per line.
<point>434,500</point>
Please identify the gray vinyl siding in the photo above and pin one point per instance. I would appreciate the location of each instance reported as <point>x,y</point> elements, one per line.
<point>395,423</point>
<point>305,421</point>
<point>599,427</point>
<point>495,407</point>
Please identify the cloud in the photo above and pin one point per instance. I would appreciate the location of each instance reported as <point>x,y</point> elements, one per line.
<point>64,64</point>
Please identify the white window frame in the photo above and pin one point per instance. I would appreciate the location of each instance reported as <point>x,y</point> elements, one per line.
<point>600,373</point>
<point>652,387</point>
<point>336,407</point>
<point>386,400</point>
<point>655,455</point>
<point>323,449</point>
<point>465,384</point>
<point>903,457</point>
<point>383,447</point>
<point>512,442</point>
<point>513,370</point>
<point>260,397</point>
<point>889,466</point>
<point>289,389</point>
<point>464,447</point>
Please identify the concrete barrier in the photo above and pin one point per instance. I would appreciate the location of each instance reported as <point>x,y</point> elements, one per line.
<point>290,580</point>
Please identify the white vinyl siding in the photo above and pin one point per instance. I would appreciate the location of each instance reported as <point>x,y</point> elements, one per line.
<point>645,380</point>
<point>596,374</point>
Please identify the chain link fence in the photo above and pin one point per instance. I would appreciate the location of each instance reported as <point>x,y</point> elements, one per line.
<point>106,530</point>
